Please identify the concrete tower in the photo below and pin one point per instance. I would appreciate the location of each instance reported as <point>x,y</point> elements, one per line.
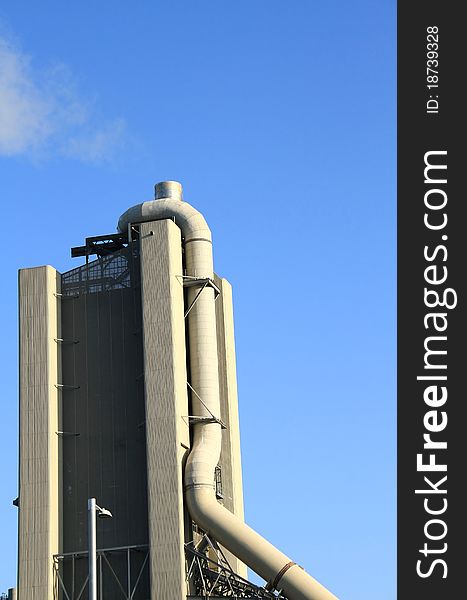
<point>128,394</point>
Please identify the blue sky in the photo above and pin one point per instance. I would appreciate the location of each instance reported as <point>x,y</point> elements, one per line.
<point>279,119</point>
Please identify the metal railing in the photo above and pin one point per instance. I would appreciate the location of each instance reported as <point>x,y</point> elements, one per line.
<point>126,577</point>
<point>117,270</point>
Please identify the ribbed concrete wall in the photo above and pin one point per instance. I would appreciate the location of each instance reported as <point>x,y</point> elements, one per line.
<point>39,458</point>
<point>230,460</point>
<point>167,432</point>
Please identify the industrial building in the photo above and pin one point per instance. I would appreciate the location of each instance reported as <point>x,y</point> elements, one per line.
<point>128,395</point>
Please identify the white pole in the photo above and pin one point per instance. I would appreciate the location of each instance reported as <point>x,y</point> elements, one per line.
<point>92,551</point>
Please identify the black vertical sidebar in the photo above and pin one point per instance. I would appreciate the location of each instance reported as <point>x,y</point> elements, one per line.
<point>432,271</point>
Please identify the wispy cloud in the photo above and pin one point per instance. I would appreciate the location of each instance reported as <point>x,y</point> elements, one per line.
<point>42,114</point>
<point>95,146</point>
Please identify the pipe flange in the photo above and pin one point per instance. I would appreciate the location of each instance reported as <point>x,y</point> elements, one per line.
<point>273,586</point>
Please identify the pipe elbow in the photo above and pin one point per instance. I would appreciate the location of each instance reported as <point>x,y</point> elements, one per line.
<point>191,222</point>
<point>201,503</point>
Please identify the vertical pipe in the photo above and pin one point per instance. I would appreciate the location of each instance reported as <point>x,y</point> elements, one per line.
<point>92,551</point>
<point>73,578</point>
<point>101,580</point>
<point>272,565</point>
<point>128,566</point>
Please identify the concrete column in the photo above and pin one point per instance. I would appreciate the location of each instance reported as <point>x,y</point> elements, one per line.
<point>39,456</point>
<point>230,460</point>
<point>165,377</point>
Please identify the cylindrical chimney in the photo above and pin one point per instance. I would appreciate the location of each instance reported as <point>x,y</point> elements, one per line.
<point>168,189</point>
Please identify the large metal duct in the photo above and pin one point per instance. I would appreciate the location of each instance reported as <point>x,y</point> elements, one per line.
<point>267,561</point>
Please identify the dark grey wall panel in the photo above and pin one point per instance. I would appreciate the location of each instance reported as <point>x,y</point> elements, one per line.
<point>103,402</point>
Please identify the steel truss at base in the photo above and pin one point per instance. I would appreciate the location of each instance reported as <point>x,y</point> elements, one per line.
<point>215,578</point>
<point>74,586</point>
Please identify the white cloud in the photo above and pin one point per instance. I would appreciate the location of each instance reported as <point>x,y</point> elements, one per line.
<point>42,114</point>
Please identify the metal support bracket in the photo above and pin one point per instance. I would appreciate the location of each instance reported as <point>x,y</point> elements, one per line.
<point>189,281</point>
<point>65,296</point>
<point>63,386</point>
<point>132,228</point>
<point>193,419</point>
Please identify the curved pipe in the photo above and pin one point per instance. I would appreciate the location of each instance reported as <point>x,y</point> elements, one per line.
<point>267,561</point>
